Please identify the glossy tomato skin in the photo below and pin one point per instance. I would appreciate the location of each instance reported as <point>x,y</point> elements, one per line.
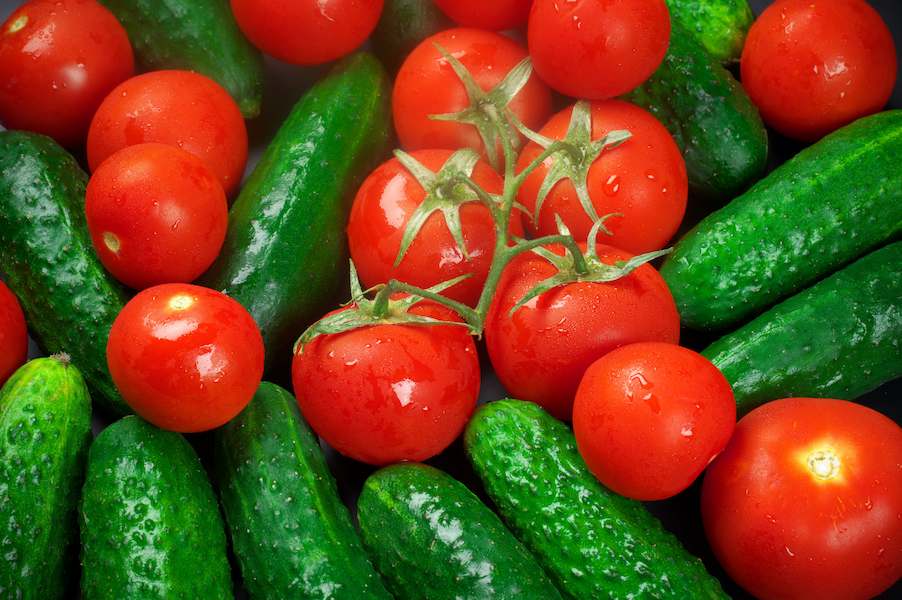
<point>179,108</point>
<point>307,32</point>
<point>541,352</point>
<point>156,215</point>
<point>784,529</point>
<point>812,67</point>
<point>184,357</point>
<point>597,49</point>
<point>495,15</point>
<point>643,179</point>
<point>388,393</point>
<point>13,334</point>
<point>649,417</point>
<point>427,85</point>
<point>58,60</point>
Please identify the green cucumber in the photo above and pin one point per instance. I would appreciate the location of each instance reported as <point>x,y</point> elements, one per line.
<point>719,25</point>
<point>402,26</point>
<point>48,261</point>
<point>45,430</point>
<point>195,35</point>
<point>290,531</point>
<point>711,118</point>
<point>285,254</point>
<point>594,543</point>
<point>432,538</point>
<point>831,203</point>
<point>150,526</point>
<point>838,339</point>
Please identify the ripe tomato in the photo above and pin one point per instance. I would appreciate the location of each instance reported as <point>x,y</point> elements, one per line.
<point>541,352</point>
<point>184,357</point>
<point>643,179</point>
<point>597,49</point>
<point>307,32</point>
<point>649,417</point>
<point>156,215</point>
<point>812,67</point>
<point>179,108</point>
<point>388,393</point>
<point>806,501</point>
<point>427,85</point>
<point>58,60</point>
<point>13,334</point>
<point>495,15</point>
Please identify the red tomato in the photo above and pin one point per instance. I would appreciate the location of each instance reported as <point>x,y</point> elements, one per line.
<point>806,501</point>
<point>494,15</point>
<point>184,357</point>
<point>427,85</point>
<point>156,215</point>
<point>648,418</point>
<point>643,179</point>
<point>388,393</point>
<point>812,67</point>
<point>542,351</point>
<point>179,108</point>
<point>307,32</point>
<point>13,334</point>
<point>597,49</point>
<point>58,60</point>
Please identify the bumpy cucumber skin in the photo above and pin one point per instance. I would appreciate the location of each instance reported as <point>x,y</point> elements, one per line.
<point>711,118</point>
<point>829,204</point>
<point>838,339</point>
<point>195,35</point>
<point>719,26</point>
<point>285,255</point>
<point>402,26</point>
<point>47,258</point>
<point>432,539</point>
<point>45,431</point>
<point>150,525</point>
<point>593,543</point>
<point>291,532</point>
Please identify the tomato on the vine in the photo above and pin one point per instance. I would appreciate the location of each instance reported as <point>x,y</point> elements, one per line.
<point>13,334</point>
<point>494,15</point>
<point>806,501</point>
<point>184,357</point>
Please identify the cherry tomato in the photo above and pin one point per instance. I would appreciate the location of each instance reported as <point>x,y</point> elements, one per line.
<point>179,108</point>
<point>597,49</point>
<point>643,179</point>
<point>541,352</point>
<point>494,15</point>
<point>427,85</point>
<point>307,32</point>
<point>58,60</point>
<point>184,357</point>
<point>13,334</point>
<point>388,393</point>
<point>156,215</point>
<point>649,417</point>
<point>806,501</point>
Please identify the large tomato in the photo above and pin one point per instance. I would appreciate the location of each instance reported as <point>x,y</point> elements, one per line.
<point>13,334</point>
<point>494,15</point>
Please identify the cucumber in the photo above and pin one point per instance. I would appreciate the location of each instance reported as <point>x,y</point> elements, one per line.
<point>48,261</point>
<point>195,35</point>
<point>431,538</point>
<point>719,26</point>
<point>838,339</point>
<point>593,543</point>
<point>285,253</point>
<point>711,118</point>
<point>402,26</point>
<point>290,531</point>
<point>150,526</point>
<point>824,207</point>
<point>45,430</point>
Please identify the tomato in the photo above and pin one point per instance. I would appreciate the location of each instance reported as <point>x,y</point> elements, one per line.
<point>806,501</point>
<point>495,15</point>
<point>307,32</point>
<point>156,215</point>
<point>812,67</point>
<point>184,357</point>
<point>541,352</point>
<point>179,108</point>
<point>643,179</point>
<point>427,85</point>
<point>58,60</point>
<point>597,49</point>
<point>13,334</point>
<point>388,393</point>
<point>649,417</point>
